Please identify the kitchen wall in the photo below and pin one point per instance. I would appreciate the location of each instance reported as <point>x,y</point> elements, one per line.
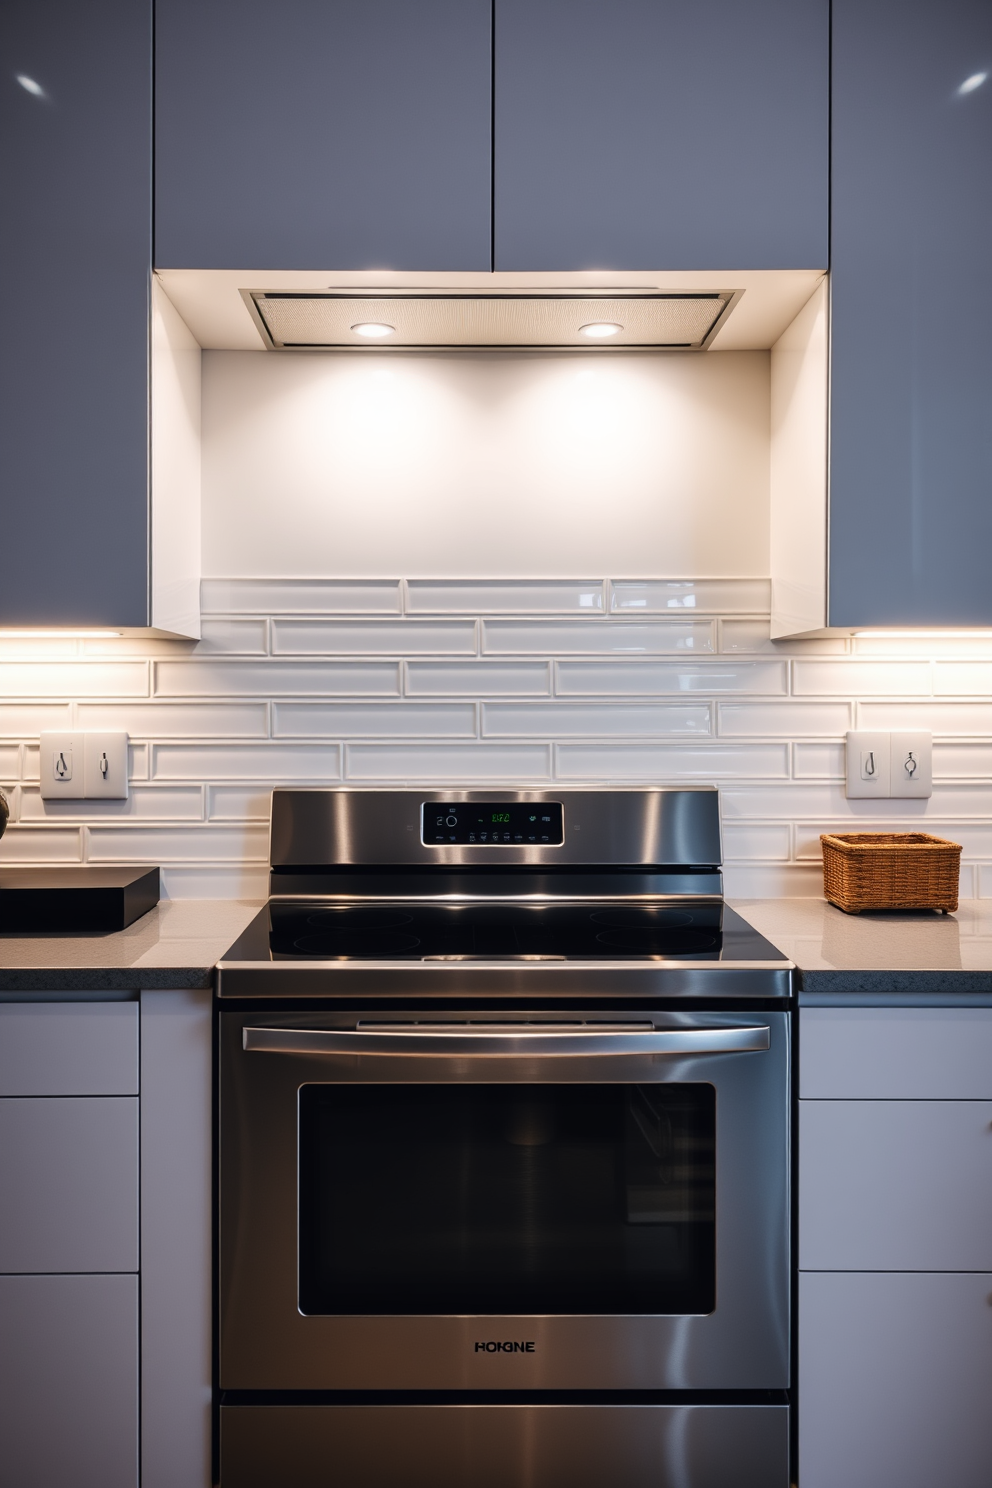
<point>361,516</point>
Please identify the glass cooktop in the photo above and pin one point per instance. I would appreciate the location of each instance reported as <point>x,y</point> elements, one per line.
<point>416,931</point>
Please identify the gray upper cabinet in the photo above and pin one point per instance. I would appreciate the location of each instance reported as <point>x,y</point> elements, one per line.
<point>323,134</point>
<point>75,251</point>
<point>661,134</point>
<point>911,327</point>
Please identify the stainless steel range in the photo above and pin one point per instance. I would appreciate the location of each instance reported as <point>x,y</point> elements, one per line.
<point>504,1152</point>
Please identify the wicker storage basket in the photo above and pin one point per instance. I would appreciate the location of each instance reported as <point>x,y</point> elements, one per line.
<point>890,870</point>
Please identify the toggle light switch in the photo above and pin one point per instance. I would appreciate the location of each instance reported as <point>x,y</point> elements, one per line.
<point>911,763</point>
<point>84,766</point>
<point>867,765</point>
<point>61,766</point>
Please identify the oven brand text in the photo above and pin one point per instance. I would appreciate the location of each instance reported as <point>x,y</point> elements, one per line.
<point>504,1348</point>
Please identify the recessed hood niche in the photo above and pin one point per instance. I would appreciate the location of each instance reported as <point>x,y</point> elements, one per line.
<point>338,320</point>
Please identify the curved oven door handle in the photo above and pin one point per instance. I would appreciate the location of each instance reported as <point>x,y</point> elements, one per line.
<point>507,1040</point>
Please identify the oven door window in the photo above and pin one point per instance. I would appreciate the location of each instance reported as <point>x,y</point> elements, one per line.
<point>507,1199</point>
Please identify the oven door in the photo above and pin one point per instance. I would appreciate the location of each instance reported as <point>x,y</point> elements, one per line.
<point>420,1202</point>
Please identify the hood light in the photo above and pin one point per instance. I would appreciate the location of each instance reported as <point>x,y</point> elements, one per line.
<point>374,329</point>
<point>599,330</point>
<point>57,635</point>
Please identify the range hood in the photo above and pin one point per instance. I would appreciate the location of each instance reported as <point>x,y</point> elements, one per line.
<point>338,320</point>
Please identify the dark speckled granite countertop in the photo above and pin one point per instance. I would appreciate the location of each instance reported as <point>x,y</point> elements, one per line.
<point>176,944</point>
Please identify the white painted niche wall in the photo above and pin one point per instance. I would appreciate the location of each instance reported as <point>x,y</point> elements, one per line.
<point>486,464</point>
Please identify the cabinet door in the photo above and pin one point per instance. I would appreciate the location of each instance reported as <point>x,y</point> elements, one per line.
<point>911,332</point>
<point>322,134</point>
<point>69,1185</point>
<point>895,1378</point>
<point>58,1048</point>
<point>75,251</point>
<point>904,1054</point>
<point>68,1381</point>
<point>661,134</point>
<point>895,1185</point>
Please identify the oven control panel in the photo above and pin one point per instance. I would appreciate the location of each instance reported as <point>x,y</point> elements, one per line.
<point>492,823</point>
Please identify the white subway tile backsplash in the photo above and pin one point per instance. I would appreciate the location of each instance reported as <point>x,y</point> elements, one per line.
<point>300,596</point>
<point>788,719</point>
<point>41,845</point>
<point>239,802</point>
<point>669,762</point>
<point>374,638</point>
<point>558,720</point>
<point>275,678</point>
<point>207,843</point>
<point>225,636</point>
<point>74,679</point>
<point>374,720</point>
<point>819,761</point>
<point>177,720</point>
<point>215,881</point>
<point>767,881</point>
<point>143,803</point>
<point>478,678</point>
<point>973,719</point>
<point>487,681</point>
<point>646,678</point>
<point>592,638</point>
<point>714,596</point>
<point>962,761</point>
<point>754,843</point>
<point>963,678</point>
<point>504,596</point>
<point>861,678</point>
<point>281,764</point>
<point>755,635</point>
<point>448,763</point>
<point>27,721</point>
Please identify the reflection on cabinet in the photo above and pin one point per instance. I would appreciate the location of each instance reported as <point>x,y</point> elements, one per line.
<point>895,1378</point>
<point>895,1255</point>
<point>68,1381</point>
<point>661,134</point>
<point>895,1186</point>
<point>69,1184</point>
<point>911,438</point>
<point>354,134</point>
<point>75,181</point>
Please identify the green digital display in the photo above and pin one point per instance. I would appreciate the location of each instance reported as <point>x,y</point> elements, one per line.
<point>493,823</point>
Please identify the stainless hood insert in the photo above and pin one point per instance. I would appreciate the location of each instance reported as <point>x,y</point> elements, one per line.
<point>655,321</point>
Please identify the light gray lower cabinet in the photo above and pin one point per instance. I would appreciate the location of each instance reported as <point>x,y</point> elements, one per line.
<point>69,1184</point>
<point>68,1381</point>
<point>895,1248</point>
<point>68,1245</point>
<point>895,1380</point>
<point>176,1255</point>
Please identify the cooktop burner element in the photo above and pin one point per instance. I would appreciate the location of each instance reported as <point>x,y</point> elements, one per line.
<point>495,931</point>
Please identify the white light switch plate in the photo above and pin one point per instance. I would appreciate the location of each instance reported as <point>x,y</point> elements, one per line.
<point>61,766</point>
<point>867,765</point>
<point>911,763</point>
<point>84,766</point>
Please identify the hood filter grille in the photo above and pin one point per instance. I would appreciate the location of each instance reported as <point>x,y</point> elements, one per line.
<point>313,322</point>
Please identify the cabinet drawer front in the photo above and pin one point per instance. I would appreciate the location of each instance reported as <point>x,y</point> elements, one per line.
<point>69,1381</point>
<point>895,1377</point>
<point>895,1054</point>
<point>895,1185</point>
<point>57,1048</point>
<point>69,1185</point>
